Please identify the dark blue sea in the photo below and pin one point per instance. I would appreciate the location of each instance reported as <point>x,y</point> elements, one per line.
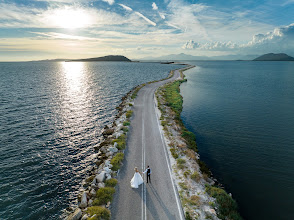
<point>243,116</point>
<point>51,117</point>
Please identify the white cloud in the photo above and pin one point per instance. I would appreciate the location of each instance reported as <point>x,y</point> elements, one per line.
<point>191,45</point>
<point>280,40</point>
<point>154,6</point>
<point>126,7</point>
<point>145,18</point>
<point>109,1</point>
<point>54,35</point>
<point>161,15</point>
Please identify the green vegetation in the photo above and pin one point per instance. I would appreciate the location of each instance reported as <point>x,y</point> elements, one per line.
<point>227,207</point>
<point>181,163</point>
<point>203,167</point>
<point>111,182</point>
<point>195,176</point>
<point>104,195</point>
<point>129,113</point>
<point>183,186</point>
<point>194,200</point>
<point>187,216</point>
<point>187,173</point>
<point>121,142</point>
<point>125,129</point>
<point>116,161</point>
<point>101,213</point>
<point>173,97</point>
<point>126,123</point>
<point>190,139</point>
<point>174,153</point>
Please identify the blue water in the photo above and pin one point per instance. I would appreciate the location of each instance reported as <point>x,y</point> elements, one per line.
<point>51,117</point>
<point>243,116</point>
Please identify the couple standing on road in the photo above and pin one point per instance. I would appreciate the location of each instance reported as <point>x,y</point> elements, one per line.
<point>137,178</point>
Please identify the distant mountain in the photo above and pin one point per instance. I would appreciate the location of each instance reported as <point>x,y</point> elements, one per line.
<point>105,58</point>
<point>51,60</point>
<point>183,56</point>
<point>274,57</point>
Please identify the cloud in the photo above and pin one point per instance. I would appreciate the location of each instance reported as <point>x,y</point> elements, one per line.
<point>54,35</point>
<point>109,1</point>
<point>280,40</point>
<point>191,45</point>
<point>154,6</point>
<point>146,19</point>
<point>126,7</point>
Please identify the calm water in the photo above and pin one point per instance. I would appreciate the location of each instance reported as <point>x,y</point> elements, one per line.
<point>243,116</point>
<point>51,116</point>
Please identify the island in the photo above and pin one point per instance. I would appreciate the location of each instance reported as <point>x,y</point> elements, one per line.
<point>274,57</point>
<point>105,58</point>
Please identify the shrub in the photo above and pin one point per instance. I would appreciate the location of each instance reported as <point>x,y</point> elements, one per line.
<point>101,213</point>
<point>104,195</point>
<point>203,167</point>
<point>129,114</point>
<point>183,185</point>
<point>126,123</point>
<point>174,153</point>
<point>111,182</point>
<point>187,173</point>
<point>125,129</point>
<point>188,216</point>
<point>116,161</point>
<point>227,207</point>
<point>130,104</point>
<point>121,142</point>
<point>90,179</point>
<point>195,176</point>
<point>194,200</point>
<point>163,123</point>
<point>181,163</point>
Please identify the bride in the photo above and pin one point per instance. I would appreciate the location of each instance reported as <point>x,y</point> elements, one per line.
<point>137,179</point>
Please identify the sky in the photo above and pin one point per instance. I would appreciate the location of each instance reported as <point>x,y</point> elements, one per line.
<point>38,29</point>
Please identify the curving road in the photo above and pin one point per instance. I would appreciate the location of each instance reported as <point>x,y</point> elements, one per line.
<point>145,146</point>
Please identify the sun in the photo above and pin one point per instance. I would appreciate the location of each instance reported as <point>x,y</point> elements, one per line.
<point>70,18</point>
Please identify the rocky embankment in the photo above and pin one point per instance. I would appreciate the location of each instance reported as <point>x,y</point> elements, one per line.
<point>201,197</point>
<point>95,197</point>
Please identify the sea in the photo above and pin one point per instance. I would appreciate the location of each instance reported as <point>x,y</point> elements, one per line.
<point>51,118</point>
<point>242,113</point>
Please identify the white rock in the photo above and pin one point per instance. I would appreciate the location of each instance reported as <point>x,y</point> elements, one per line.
<point>90,202</point>
<point>113,149</point>
<point>108,177</point>
<point>93,192</point>
<point>76,215</point>
<point>109,154</point>
<point>85,217</point>
<point>107,170</point>
<point>118,134</point>
<point>84,200</point>
<point>100,177</point>
<point>115,145</point>
<point>107,162</point>
<point>101,185</point>
<point>119,126</point>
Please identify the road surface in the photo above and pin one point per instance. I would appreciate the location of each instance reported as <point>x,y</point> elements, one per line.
<point>145,146</point>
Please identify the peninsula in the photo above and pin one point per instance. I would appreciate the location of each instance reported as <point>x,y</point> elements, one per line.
<point>105,58</point>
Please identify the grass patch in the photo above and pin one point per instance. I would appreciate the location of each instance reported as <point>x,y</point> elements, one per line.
<point>121,142</point>
<point>188,216</point>
<point>195,176</point>
<point>227,207</point>
<point>174,153</point>
<point>126,123</point>
<point>111,182</point>
<point>181,163</point>
<point>125,129</point>
<point>183,186</point>
<point>187,173</point>
<point>194,200</point>
<point>116,161</point>
<point>129,113</point>
<point>103,196</point>
<point>100,212</point>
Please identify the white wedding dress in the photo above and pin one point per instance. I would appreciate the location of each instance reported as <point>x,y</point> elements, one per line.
<point>136,180</point>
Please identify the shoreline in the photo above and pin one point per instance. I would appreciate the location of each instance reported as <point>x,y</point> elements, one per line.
<point>98,188</point>
<point>201,195</point>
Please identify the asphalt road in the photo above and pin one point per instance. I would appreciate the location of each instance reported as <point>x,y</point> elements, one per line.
<point>145,146</point>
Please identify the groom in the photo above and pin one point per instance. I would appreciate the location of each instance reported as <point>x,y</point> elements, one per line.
<point>148,171</point>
